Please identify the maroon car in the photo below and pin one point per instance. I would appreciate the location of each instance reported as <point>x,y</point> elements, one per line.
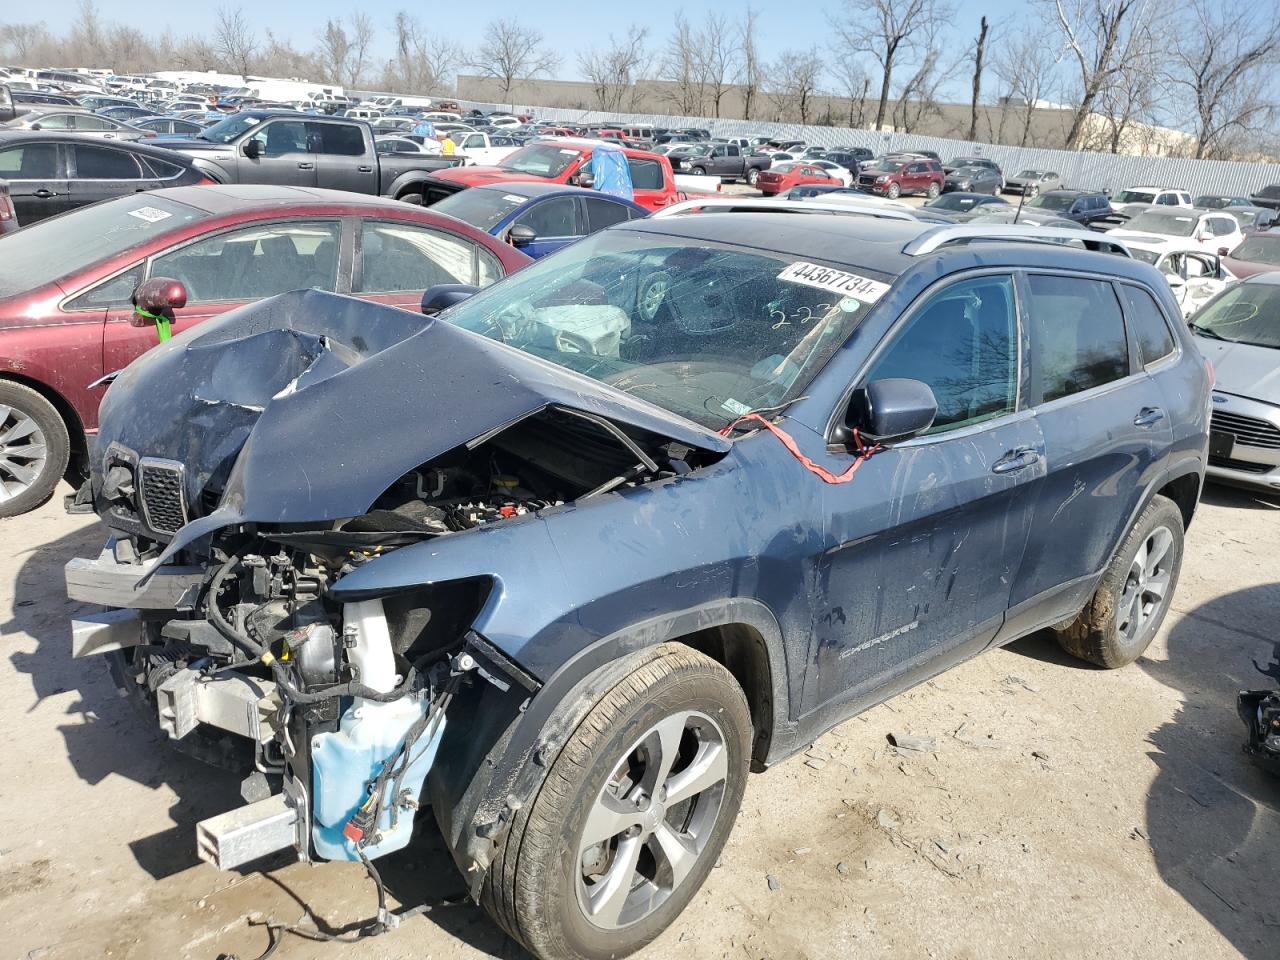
<point>897,175</point>
<point>1260,253</point>
<point>66,286</point>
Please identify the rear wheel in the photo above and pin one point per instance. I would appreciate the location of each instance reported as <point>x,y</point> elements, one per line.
<point>631,816</point>
<point>1131,602</point>
<point>933,191</point>
<point>34,449</point>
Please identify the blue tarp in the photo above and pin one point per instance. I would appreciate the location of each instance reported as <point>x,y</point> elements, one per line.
<point>610,172</point>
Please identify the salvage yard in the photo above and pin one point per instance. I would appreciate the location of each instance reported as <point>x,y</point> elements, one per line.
<point>1062,810</point>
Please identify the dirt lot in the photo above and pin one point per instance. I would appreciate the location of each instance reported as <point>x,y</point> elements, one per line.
<point>1066,811</point>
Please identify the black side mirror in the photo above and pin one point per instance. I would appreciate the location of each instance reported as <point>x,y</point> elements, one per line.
<point>253,149</point>
<point>444,295</point>
<point>521,235</point>
<point>34,126</point>
<point>886,411</point>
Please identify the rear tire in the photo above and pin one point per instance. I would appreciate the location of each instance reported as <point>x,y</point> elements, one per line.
<point>34,449</point>
<point>1126,611</point>
<point>416,199</point>
<point>699,171</point>
<point>933,191</point>
<point>752,176</point>
<point>667,747</point>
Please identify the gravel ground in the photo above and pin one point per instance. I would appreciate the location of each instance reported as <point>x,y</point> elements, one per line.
<point>1065,811</point>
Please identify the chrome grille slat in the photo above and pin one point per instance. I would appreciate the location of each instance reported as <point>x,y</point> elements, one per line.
<point>160,494</point>
<point>1247,430</point>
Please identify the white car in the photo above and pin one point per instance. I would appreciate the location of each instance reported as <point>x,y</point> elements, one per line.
<point>1195,275</point>
<point>394,144</point>
<point>1158,228</point>
<point>1133,199</point>
<point>833,170</point>
<point>481,148</point>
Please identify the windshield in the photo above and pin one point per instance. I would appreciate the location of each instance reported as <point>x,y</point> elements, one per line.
<point>1259,250</point>
<point>1212,203</point>
<point>704,330</point>
<point>224,131</point>
<point>540,160</point>
<point>1244,216</point>
<point>479,207</point>
<point>55,248</point>
<point>887,166</point>
<point>1166,224</point>
<point>1136,196</point>
<point>1047,201</point>
<point>1247,313</point>
<point>1028,175</point>
<point>1146,256</point>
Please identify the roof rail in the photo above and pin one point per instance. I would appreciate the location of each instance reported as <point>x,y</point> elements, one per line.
<point>760,205</point>
<point>931,240</point>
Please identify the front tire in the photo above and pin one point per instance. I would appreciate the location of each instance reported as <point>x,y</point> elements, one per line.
<point>699,171</point>
<point>34,449</point>
<point>1126,611</point>
<point>893,192</point>
<point>752,176</point>
<point>631,816</point>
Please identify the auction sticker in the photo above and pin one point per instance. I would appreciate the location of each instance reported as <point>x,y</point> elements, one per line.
<point>150,214</point>
<point>837,281</point>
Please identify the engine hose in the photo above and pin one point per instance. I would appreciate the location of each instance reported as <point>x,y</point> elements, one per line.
<point>260,652</point>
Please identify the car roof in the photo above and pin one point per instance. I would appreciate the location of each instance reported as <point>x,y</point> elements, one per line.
<point>220,199</point>
<point>534,188</point>
<point>1071,192</point>
<point>160,153</point>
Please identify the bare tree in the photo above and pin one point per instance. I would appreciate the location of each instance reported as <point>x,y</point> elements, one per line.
<point>682,67</point>
<point>891,36</point>
<point>421,59</point>
<point>715,55</point>
<point>614,71</point>
<point>1098,37</point>
<point>1222,67</point>
<point>979,62</point>
<point>1024,66</point>
<point>20,41</point>
<point>796,76</point>
<point>855,84</point>
<point>334,51</point>
<point>511,51</point>
<point>749,70</point>
<point>918,97</point>
<point>233,38</point>
<point>358,54</point>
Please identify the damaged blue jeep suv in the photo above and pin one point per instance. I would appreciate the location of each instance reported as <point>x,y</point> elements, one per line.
<point>567,560</point>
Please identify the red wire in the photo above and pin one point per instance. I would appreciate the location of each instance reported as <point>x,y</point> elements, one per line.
<point>863,451</point>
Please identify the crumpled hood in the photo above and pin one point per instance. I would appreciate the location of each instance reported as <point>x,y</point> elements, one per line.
<point>476,175</point>
<point>1244,369</point>
<point>310,405</point>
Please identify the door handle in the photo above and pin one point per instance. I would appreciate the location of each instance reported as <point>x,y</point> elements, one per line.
<point>365,169</point>
<point>1015,460</point>
<point>44,194</point>
<point>306,165</point>
<point>1148,416</point>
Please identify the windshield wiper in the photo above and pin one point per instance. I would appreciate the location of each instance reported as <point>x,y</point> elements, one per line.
<point>1205,331</point>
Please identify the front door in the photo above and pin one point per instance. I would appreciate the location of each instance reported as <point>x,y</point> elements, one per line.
<point>922,546</point>
<point>285,156</point>
<point>1106,429</point>
<point>38,183</point>
<point>227,270</point>
<point>554,221</point>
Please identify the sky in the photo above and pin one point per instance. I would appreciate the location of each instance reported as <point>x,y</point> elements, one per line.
<point>300,20</point>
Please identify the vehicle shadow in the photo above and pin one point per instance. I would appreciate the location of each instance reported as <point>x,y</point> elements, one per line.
<point>1213,817</point>
<point>106,735</point>
<point>1241,498</point>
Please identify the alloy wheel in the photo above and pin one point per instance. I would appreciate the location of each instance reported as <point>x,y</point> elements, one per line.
<point>1146,588</point>
<point>23,452</point>
<point>652,820</point>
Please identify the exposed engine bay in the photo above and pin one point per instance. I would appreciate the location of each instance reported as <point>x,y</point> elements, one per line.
<point>343,704</point>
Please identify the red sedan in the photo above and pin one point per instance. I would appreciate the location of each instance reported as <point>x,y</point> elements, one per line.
<point>784,176</point>
<point>66,286</point>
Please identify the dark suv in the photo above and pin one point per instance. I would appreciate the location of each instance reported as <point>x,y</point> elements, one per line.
<point>569,559</point>
<point>1082,206</point>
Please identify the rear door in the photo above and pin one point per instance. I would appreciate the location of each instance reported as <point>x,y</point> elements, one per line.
<point>37,176</point>
<point>99,172</point>
<point>648,183</point>
<point>1107,433</point>
<point>228,269</point>
<point>339,150</point>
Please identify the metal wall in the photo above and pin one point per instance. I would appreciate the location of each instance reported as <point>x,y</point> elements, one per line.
<point>1077,169</point>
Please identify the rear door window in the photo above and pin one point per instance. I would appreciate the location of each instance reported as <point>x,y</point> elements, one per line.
<point>103,163</point>
<point>1078,339</point>
<point>645,174</point>
<point>336,139</point>
<point>556,217</point>
<point>974,374</point>
<point>604,213</point>
<point>1146,320</point>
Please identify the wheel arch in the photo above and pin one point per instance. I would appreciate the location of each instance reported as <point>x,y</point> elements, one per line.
<point>78,462</point>
<point>506,741</point>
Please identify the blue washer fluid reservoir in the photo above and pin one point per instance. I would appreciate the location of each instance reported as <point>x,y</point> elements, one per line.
<point>344,762</point>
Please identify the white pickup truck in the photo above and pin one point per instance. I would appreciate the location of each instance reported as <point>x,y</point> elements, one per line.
<point>483,149</point>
